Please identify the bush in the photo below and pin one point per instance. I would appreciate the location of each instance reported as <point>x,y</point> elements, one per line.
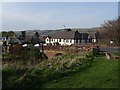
<point>16,49</point>
<point>35,55</point>
<point>25,55</point>
<point>96,51</point>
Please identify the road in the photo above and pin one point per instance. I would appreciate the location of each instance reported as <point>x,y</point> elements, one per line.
<point>111,49</point>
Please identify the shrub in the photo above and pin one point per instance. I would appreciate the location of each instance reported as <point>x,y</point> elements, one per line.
<point>35,56</point>
<point>16,49</point>
<point>25,55</point>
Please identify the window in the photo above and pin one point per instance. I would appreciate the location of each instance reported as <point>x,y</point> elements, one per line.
<point>80,40</point>
<point>70,41</point>
<point>60,40</point>
<point>63,40</point>
<point>67,40</point>
<point>76,41</point>
<point>90,40</point>
<point>47,39</point>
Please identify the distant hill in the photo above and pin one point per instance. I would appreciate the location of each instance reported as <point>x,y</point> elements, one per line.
<point>48,32</point>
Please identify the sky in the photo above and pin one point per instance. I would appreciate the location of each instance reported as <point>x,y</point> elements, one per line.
<point>53,15</point>
<point>60,0</point>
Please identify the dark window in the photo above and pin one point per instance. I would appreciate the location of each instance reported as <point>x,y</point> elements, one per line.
<point>60,40</point>
<point>90,40</point>
<point>63,40</point>
<point>80,41</point>
<point>47,39</point>
<point>67,40</point>
<point>76,41</point>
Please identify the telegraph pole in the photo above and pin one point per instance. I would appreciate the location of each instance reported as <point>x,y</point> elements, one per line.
<point>64,26</point>
<point>111,41</point>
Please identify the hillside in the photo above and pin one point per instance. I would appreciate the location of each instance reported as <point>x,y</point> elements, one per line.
<point>48,32</point>
<point>71,70</point>
<point>102,74</point>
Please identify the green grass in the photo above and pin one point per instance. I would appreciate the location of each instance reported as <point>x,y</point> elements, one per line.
<point>102,74</point>
<point>117,54</point>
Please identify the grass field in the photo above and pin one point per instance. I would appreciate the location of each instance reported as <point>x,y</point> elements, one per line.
<point>102,74</point>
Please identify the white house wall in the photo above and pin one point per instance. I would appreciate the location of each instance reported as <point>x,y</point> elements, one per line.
<point>93,40</point>
<point>47,40</point>
<point>66,41</point>
<point>63,41</point>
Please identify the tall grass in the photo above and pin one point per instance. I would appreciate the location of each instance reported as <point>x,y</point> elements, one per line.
<point>46,71</point>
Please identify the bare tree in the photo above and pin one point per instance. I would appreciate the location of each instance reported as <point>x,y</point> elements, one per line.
<point>111,30</point>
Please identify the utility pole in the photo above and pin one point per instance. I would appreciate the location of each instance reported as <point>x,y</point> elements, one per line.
<point>111,41</point>
<point>42,48</point>
<point>64,26</point>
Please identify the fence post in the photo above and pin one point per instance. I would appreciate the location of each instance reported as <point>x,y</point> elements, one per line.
<point>96,51</point>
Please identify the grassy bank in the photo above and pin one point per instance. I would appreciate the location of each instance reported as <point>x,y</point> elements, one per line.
<point>102,74</point>
<point>80,70</point>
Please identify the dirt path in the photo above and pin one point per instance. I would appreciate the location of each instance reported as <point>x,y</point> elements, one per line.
<point>51,53</point>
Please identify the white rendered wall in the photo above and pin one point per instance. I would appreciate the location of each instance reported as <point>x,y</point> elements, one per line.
<point>62,42</point>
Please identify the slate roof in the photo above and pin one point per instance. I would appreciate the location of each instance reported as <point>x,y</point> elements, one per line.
<point>14,40</point>
<point>63,35</point>
<point>69,34</point>
<point>92,35</point>
<point>3,38</point>
<point>85,36</point>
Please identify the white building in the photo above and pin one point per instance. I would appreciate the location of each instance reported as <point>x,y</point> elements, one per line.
<point>2,39</point>
<point>69,37</point>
